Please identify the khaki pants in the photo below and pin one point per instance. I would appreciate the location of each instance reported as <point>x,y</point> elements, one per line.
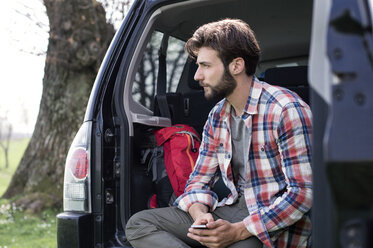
<point>168,227</point>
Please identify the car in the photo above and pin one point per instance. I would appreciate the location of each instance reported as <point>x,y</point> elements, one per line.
<point>321,49</point>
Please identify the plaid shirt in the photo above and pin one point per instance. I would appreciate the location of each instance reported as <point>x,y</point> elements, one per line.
<point>278,190</point>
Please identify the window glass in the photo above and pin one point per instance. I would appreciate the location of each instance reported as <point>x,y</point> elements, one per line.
<point>145,85</point>
<point>176,58</point>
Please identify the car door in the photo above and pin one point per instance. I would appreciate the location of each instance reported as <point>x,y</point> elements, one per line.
<point>118,186</point>
<point>341,79</point>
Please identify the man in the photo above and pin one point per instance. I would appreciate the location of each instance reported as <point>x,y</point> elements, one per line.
<point>258,137</point>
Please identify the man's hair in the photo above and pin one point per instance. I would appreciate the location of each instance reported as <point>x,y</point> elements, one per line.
<point>231,38</point>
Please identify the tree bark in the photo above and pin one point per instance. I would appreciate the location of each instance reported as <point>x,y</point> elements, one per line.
<point>78,39</point>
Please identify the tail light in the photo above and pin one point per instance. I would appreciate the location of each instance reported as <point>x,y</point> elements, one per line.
<point>78,163</point>
<point>77,172</point>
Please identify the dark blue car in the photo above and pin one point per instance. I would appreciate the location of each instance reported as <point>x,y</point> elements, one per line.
<point>321,49</point>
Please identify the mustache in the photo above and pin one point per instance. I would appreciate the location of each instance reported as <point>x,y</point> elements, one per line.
<point>203,84</point>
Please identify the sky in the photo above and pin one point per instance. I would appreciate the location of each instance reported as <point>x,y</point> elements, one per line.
<point>21,71</point>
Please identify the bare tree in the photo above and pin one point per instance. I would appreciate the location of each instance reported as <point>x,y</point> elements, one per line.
<point>78,38</point>
<point>29,15</point>
<point>116,10</point>
<point>5,136</point>
<point>79,34</point>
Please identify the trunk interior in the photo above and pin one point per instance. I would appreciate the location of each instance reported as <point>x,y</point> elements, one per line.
<point>283,33</point>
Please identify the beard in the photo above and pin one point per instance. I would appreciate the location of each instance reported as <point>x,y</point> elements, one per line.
<point>224,88</point>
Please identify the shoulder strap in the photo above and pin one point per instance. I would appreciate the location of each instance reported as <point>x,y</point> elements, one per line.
<point>162,135</point>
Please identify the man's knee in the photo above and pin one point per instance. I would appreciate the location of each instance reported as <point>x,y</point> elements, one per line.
<point>137,223</point>
<point>138,218</point>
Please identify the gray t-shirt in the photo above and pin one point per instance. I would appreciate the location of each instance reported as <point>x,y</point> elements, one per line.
<point>240,144</point>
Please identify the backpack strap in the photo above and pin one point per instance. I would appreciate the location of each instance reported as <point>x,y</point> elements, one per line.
<point>192,137</point>
<point>164,134</point>
<point>156,162</point>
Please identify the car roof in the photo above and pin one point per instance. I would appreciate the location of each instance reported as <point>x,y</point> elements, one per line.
<point>283,28</point>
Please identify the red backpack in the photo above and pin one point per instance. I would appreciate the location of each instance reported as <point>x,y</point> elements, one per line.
<point>180,146</point>
<point>170,162</point>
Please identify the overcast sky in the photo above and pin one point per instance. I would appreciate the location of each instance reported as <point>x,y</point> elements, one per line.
<point>21,72</point>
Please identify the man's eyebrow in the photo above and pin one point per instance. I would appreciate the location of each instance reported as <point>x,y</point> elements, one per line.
<point>202,63</point>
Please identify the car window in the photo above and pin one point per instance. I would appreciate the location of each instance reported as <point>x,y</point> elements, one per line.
<point>144,87</point>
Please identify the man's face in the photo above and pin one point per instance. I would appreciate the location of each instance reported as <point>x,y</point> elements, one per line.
<point>216,81</point>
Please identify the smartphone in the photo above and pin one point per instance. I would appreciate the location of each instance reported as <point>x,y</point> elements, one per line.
<point>199,226</point>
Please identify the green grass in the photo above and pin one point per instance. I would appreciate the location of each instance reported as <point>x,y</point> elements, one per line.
<point>18,230</point>
<point>16,150</point>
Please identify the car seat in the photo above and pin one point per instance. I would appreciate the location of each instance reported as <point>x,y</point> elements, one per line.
<point>294,78</point>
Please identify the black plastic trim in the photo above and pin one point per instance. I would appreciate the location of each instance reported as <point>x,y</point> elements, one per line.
<point>74,230</point>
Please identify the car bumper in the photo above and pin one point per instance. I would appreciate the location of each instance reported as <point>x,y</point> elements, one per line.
<point>74,230</point>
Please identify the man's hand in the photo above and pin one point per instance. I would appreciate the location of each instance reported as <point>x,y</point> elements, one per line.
<point>200,214</point>
<point>220,233</point>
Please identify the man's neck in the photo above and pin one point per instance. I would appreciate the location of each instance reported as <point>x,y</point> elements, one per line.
<point>239,96</point>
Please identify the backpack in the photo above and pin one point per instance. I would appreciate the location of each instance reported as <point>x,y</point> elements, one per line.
<point>171,162</point>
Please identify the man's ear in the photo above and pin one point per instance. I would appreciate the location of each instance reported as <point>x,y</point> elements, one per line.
<point>237,66</point>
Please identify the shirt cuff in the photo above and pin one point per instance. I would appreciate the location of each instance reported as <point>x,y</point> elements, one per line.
<point>255,226</point>
<point>206,197</point>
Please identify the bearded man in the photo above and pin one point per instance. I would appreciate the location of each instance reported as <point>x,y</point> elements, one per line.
<point>258,138</point>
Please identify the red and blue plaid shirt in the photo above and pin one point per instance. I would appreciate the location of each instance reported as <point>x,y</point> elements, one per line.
<point>278,189</point>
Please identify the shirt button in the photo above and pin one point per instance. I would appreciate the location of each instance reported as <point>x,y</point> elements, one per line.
<point>221,144</point>
<point>262,149</point>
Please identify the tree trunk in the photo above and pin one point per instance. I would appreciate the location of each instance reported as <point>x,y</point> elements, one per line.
<point>5,143</point>
<point>6,148</point>
<point>6,153</point>
<point>78,39</point>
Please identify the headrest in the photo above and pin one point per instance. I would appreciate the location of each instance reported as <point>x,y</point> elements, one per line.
<point>287,76</point>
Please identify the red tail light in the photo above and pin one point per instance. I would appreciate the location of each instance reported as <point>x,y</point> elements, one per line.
<point>77,184</point>
<point>78,163</point>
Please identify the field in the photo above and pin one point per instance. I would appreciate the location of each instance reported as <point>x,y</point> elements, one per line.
<point>16,150</point>
<point>18,230</point>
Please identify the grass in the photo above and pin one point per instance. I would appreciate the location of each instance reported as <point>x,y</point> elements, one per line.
<point>18,230</point>
<point>16,150</point>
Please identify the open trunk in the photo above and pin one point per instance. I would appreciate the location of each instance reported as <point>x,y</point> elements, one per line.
<point>283,32</point>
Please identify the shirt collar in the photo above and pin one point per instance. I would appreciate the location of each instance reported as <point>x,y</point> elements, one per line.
<point>251,107</point>
<point>253,99</point>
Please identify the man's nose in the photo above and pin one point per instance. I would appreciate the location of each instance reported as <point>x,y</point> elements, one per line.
<point>198,75</point>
